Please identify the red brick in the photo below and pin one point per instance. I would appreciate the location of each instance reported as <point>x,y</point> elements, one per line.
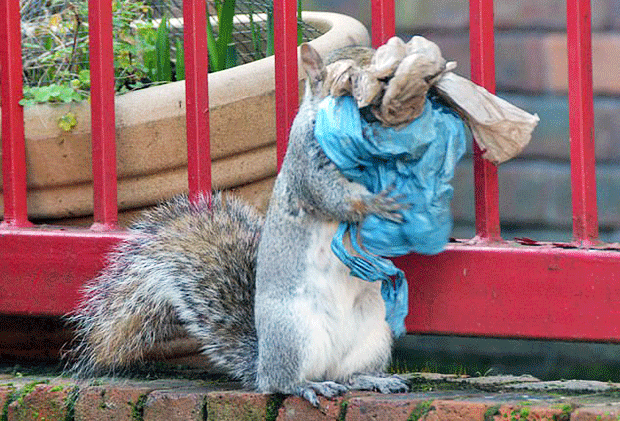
<point>431,14</point>
<point>382,407</point>
<point>118,402</point>
<point>614,15</point>
<point>537,192</point>
<point>531,413</point>
<point>173,405</point>
<point>519,64</point>
<point>543,14</point>
<point>597,413</point>
<point>295,408</point>
<point>237,406</point>
<point>524,14</point>
<point>5,394</point>
<point>605,49</point>
<point>442,410</point>
<point>45,402</point>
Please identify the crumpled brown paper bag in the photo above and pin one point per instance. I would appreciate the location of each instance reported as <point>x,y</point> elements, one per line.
<point>395,84</point>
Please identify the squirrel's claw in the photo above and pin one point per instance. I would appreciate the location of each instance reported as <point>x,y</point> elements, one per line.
<point>386,206</point>
<point>383,384</point>
<point>310,390</point>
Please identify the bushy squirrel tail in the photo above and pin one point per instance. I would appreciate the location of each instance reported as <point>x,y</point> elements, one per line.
<point>189,269</point>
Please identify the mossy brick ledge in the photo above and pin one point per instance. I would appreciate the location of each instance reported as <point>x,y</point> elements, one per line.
<point>433,397</point>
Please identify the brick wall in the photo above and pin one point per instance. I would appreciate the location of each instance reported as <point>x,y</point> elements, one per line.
<point>531,72</point>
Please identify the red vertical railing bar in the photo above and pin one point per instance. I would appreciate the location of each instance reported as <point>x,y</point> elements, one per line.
<point>286,76</point>
<point>581,119</point>
<point>102,113</point>
<point>482,50</point>
<point>13,144</point>
<point>197,97</point>
<point>383,21</point>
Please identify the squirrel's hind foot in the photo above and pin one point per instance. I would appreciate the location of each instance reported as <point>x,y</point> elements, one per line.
<point>310,390</point>
<point>379,383</point>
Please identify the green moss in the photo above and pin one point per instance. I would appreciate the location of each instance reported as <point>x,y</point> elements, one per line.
<point>491,412</point>
<point>273,406</point>
<point>70,401</point>
<point>137,408</point>
<point>57,388</point>
<point>18,395</point>
<point>421,410</point>
<point>344,405</point>
<point>28,388</point>
<point>5,409</point>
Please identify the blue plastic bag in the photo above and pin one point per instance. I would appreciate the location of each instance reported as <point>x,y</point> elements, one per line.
<point>418,160</point>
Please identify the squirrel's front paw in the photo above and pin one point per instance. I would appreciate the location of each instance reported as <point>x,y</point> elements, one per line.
<point>380,383</point>
<point>385,206</point>
<point>310,390</point>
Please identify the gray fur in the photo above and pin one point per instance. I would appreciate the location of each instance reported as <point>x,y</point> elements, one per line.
<point>310,194</point>
<point>271,304</point>
<point>174,277</point>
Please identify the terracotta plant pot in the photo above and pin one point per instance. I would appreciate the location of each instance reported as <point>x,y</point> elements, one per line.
<point>151,140</point>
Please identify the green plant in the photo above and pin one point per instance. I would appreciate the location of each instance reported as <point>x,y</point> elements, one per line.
<point>51,93</point>
<point>269,32</point>
<point>56,65</point>
<point>56,55</point>
<point>420,411</point>
<point>222,54</point>
<point>67,122</point>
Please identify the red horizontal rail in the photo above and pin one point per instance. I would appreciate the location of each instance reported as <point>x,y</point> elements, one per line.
<point>286,74</point>
<point>13,144</point>
<point>43,270</point>
<point>581,122</point>
<point>515,291</point>
<point>566,294</point>
<point>197,97</point>
<point>102,113</point>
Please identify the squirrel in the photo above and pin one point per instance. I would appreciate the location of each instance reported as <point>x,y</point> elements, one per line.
<point>266,298</point>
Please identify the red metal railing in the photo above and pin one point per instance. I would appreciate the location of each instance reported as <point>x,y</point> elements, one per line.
<point>102,114</point>
<point>484,286</point>
<point>482,51</point>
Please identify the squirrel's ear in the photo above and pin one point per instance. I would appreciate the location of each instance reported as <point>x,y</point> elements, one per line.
<point>313,65</point>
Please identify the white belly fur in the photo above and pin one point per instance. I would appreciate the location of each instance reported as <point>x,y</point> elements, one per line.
<point>343,316</point>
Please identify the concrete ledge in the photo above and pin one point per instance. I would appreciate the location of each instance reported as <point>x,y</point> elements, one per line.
<point>434,397</point>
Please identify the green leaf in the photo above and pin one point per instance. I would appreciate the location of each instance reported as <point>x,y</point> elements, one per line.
<point>225,29</point>
<point>162,49</point>
<point>41,95</point>
<point>84,78</point>
<point>270,43</point>
<point>300,35</point>
<point>255,36</point>
<point>214,64</point>
<point>26,102</point>
<point>67,122</point>
<point>54,90</point>
<point>48,43</point>
<point>150,63</point>
<point>231,55</point>
<point>180,61</point>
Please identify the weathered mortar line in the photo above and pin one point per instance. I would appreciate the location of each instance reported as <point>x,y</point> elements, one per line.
<point>273,406</point>
<point>421,410</point>
<point>343,410</point>
<point>137,407</point>
<point>70,401</point>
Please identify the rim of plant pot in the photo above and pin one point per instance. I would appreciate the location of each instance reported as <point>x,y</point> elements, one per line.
<point>150,134</point>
